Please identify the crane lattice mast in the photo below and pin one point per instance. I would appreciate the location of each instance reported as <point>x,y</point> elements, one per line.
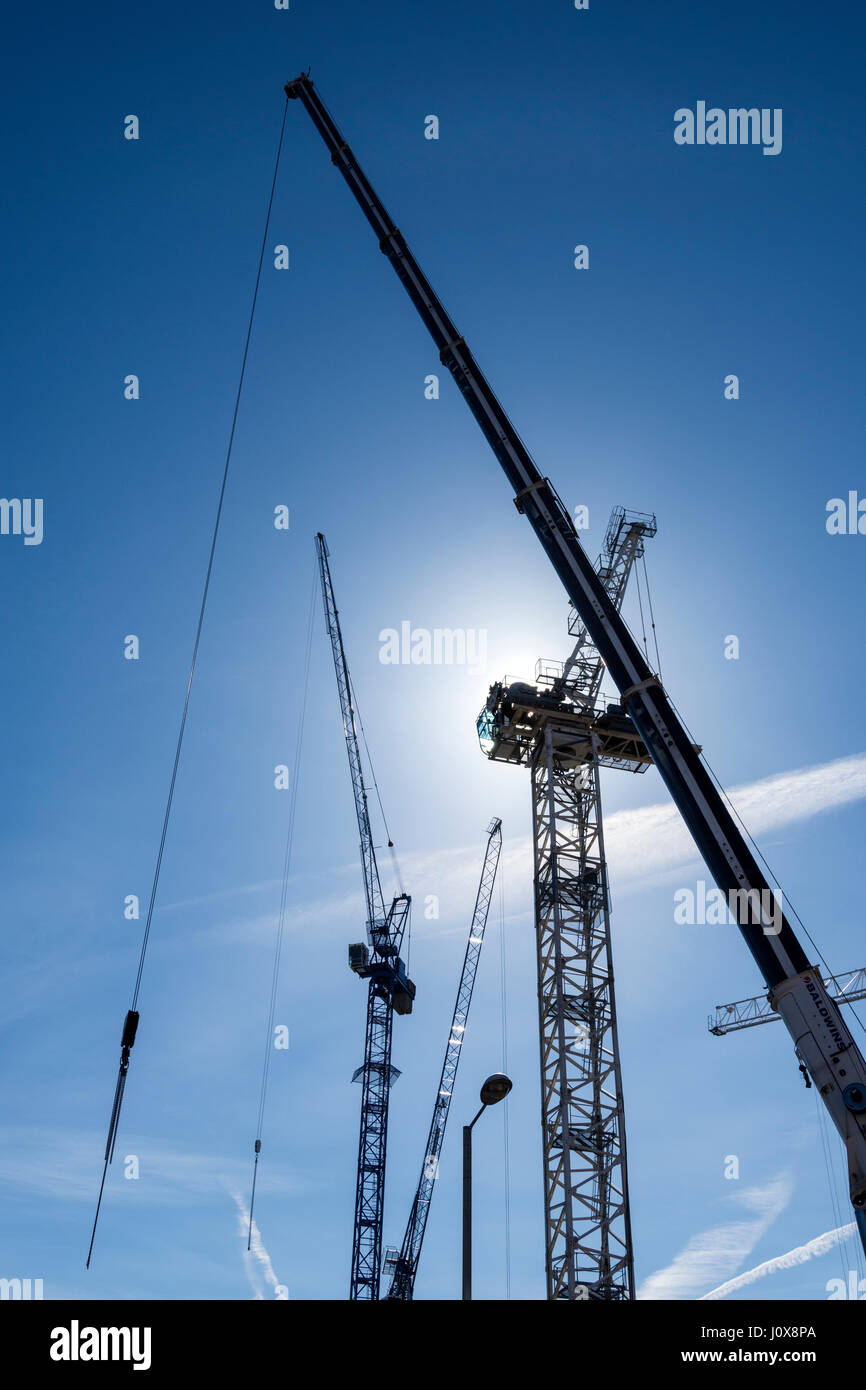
<point>389,990</point>
<point>406,1262</point>
<point>822,1040</point>
<point>556,730</point>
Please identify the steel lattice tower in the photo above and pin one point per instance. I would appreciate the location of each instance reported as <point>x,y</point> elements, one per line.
<point>588,1234</point>
<point>404,1262</point>
<point>389,990</point>
<point>556,729</point>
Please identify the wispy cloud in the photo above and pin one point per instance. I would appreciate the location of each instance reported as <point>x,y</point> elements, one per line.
<point>650,841</point>
<point>67,1164</point>
<point>654,838</point>
<point>800,1255</point>
<point>257,1254</point>
<point>715,1254</point>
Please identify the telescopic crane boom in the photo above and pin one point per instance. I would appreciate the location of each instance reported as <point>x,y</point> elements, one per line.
<point>389,990</point>
<point>796,989</point>
<point>406,1266</point>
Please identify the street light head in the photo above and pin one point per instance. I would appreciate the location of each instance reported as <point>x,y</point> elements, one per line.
<point>495,1088</point>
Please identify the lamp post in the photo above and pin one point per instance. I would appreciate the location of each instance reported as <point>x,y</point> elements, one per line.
<point>495,1088</point>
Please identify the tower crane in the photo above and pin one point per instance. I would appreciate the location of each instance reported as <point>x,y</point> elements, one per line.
<point>405,1267</point>
<point>849,988</point>
<point>389,990</point>
<point>556,730</point>
<point>796,988</point>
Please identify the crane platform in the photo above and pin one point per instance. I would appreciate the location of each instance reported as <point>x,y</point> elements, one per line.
<point>513,720</point>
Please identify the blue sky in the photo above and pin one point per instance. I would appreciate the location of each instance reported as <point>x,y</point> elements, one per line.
<point>556,128</point>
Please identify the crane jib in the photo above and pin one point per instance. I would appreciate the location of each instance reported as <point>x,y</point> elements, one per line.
<point>403,1282</point>
<point>774,946</point>
<point>389,989</point>
<point>376,914</point>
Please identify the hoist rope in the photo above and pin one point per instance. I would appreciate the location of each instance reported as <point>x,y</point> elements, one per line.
<point>394,861</point>
<point>755,847</point>
<point>649,600</point>
<point>281,921</point>
<point>792,911</point>
<point>503,1007</point>
<point>132,1016</point>
<point>407,937</point>
<point>642,622</point>
<point>787,904</point>
<point>632,630</point>
<point>835,1206</point>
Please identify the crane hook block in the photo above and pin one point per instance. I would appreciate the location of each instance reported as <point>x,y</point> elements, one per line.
<point>258,1146</point>
<point>129,1029</point>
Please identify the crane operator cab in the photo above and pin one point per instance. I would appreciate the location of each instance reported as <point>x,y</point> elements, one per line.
<point>512,725</point>
<point>390,975</point>
<point>502,724</point>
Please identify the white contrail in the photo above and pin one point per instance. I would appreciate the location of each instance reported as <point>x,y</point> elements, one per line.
<point>256,1250</point>
<point>641,844</point>
<point>718,1251</point>
<point>798,1256</point>
<point>654,838</point>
